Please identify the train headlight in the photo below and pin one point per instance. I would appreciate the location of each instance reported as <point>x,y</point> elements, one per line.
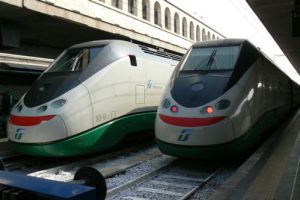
<point>166,103</point>
<point>207,110</point>
<point>42,109</point>
<point>223,104</point>
<point>174,108</point>
<point>58,103</point>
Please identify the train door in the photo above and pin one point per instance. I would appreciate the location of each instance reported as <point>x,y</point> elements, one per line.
<point>137,76</point>
<point>139,94</point>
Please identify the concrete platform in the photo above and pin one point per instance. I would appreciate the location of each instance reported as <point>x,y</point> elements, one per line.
<point>272,172</point>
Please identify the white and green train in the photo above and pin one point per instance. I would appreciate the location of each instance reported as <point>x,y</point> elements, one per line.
<point>89,98</point>
<point>223,96</point>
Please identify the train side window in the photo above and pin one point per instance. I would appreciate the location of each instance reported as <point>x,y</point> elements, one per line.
<point>133,60</point>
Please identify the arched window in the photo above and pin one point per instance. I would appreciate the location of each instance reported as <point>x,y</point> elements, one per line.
<point>117,4</point>
<point>157,14</point>
<point>218,38</point>
<point>132,7</point>
<point>167,18</point>
<point>146,10</point>
<point>213,37</point>
<point>208,36</point>
<point>192,34</point>
<point>203,35</point>
<point>198,33</point>
<point>184,27</point>
<point>176,23</point>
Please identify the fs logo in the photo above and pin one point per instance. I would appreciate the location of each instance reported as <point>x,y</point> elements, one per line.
<point>149,84</point>
<point>184,135</point>
<point>19,133</point>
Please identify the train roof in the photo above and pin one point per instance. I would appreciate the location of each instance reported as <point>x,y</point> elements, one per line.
<point>95,43</point>
<point>221,42</point>
<point>132,47</point>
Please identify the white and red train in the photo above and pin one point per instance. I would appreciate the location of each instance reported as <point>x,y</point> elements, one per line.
<point>222,97</point>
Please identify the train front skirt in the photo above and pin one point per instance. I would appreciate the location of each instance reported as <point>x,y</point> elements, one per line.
<point>241,145</point>
<point>100,138</point>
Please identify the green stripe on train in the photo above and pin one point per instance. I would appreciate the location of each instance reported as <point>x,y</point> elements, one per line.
<point>98,139</point>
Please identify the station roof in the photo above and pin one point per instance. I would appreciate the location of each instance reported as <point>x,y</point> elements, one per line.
<point>279,16</point>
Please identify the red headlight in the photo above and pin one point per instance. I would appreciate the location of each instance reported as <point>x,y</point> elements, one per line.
<point>208,110</point>
<point>174,108</point>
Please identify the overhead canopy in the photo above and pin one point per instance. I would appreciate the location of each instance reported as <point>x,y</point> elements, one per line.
<point>282,20</point>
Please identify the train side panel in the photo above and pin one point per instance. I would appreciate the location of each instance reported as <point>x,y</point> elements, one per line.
<point>157,76</point>
<point>77,109</point>
<point>127,104</point>
<point>266,102</point>
<point>113,97</point>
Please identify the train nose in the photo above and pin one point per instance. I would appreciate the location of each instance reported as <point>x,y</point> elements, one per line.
<point>36,129</point>
<point>194,131</point>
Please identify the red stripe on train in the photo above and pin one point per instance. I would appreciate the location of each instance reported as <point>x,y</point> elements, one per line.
<point>190,122</point>
<point>29,120</point>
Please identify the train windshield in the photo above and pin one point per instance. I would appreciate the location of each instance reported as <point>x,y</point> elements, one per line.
<point>211,58</point>
<point>75,59</point>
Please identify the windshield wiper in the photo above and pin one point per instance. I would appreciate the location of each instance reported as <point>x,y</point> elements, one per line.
<point>77,57</point>
<point>210,60</point>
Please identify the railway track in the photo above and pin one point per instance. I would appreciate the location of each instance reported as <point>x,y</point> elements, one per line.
<point>14,162</point>
<point>137,173</point>
<point>108,164</point>
<point>147,174</point>
<point>163,182</point>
